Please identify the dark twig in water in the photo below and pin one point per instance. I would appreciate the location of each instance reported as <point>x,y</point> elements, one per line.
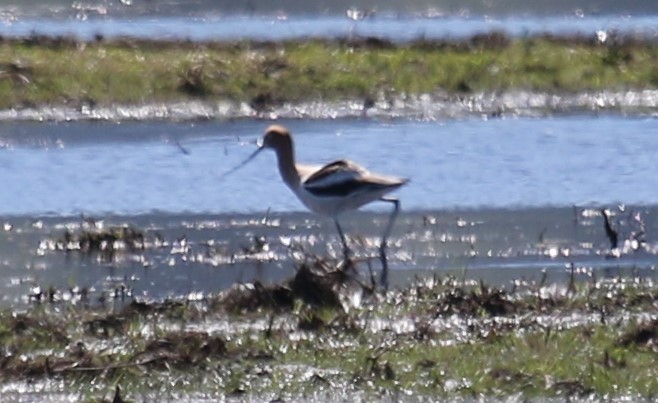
<point>611,233</point>
<point>181,148</point>
<point>174,140</point>
<point>544,277</point>
<point>576,221</point>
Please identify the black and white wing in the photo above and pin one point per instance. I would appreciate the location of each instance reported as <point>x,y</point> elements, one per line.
<point>340,179</point>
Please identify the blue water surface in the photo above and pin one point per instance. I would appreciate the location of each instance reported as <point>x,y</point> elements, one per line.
<point>132,168</point>
<point>327,26</point>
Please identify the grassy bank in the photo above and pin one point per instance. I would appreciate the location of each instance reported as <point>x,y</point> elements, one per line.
<point>60,71</point>
<point>324,334</point>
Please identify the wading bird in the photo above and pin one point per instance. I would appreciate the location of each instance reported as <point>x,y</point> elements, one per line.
<point>332,189</point>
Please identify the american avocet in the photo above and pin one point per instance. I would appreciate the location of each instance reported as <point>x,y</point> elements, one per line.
<point>332,189</point>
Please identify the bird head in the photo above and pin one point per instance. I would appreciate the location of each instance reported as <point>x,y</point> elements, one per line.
<point>275,137</point>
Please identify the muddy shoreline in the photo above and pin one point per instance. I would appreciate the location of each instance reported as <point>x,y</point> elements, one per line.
<point>424,107</point>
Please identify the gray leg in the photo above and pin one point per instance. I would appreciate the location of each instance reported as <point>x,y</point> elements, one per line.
<point>387,232</point>
<point>346,250</point>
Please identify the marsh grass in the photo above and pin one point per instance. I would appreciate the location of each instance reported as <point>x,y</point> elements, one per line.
<point>61,71</point>
<point>435,338</point>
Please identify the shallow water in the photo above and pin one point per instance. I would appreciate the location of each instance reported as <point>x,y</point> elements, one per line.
<point>98,168</point>
<point>122,8</point>
<point>395,20</point>
<point>208,232</point>
<point>276,28</point>
<point>268,28</point>
<point>192,255</point>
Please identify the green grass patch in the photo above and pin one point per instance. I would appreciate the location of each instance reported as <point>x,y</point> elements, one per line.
<point>57,71</point>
